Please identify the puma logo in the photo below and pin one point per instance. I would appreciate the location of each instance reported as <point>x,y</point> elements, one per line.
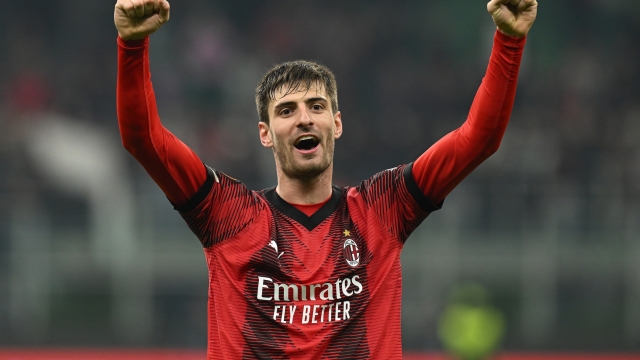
<point>275,247</point>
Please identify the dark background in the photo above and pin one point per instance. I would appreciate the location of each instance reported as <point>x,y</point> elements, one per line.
<point>92,254</point>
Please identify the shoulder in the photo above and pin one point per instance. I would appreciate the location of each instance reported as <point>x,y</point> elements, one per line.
<point>394,185</point>
<point>384,181</point>
<point>222,191</point>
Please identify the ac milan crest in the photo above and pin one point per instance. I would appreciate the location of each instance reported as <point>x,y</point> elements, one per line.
<point>351,252</point>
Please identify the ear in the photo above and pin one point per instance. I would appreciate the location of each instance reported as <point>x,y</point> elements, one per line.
<point>337,123</point>
<point>265,135</point>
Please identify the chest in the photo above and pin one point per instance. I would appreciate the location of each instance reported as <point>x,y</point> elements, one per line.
<point>335,248</point>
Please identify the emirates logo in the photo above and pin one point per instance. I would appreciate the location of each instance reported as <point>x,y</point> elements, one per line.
<point>351,252</point>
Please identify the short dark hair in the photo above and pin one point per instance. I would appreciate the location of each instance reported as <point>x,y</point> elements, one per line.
<point>295,75</point>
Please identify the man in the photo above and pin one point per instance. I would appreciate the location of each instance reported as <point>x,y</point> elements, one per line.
<point>307,269</point>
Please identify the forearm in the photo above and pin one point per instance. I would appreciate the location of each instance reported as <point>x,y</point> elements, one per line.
<point>452,158</point>
<point>492,106</point>
<point>172,165</point>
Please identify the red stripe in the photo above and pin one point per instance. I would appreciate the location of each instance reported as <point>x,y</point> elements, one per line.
<point>72,354</point>
<point>58,354</point>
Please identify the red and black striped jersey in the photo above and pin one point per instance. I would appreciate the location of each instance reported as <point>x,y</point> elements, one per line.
<point>284,285</point>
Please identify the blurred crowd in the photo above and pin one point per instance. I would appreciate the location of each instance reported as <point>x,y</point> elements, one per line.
<point>407,73</point>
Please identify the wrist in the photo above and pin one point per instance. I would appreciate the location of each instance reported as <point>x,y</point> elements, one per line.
<point>513,36</point>
<point>509,42</point>
<point>127,37</point>
<point>132,43</point>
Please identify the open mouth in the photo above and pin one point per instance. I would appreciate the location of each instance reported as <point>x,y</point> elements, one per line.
<point>307,142</point>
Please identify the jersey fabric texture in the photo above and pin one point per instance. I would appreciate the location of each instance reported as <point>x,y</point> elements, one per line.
<point>285,284</point>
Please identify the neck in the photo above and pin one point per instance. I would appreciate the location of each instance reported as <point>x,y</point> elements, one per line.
<point>305,191</point>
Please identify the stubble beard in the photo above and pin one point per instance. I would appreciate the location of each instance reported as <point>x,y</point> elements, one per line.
<point>305,171</point>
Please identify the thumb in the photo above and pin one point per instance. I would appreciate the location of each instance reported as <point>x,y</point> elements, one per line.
<point>164,11</point>
<point>494,6</point>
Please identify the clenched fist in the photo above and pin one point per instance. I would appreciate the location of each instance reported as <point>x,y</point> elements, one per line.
<point>513,17</point>
<point>136,19</point>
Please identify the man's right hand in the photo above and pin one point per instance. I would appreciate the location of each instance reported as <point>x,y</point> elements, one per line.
<point>136,19</point>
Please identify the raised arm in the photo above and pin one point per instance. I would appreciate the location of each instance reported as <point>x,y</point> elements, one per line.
<point>172,165</point>
<point>443,166</point>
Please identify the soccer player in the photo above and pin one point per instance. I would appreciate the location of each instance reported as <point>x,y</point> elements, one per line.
<point>307,269</point>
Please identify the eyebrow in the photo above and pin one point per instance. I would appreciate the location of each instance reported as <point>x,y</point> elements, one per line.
<point>293,103</point>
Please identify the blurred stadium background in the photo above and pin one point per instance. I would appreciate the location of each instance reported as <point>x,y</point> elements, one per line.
<point>93,256</point>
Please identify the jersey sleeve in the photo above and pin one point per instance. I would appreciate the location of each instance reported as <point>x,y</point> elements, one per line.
<point>395,198</point>
<point>220,209</point>
<point>445,164</point>
<point>172,164</point>
<point>214,205</point>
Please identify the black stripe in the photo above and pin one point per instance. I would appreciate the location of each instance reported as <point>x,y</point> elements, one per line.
<point>200,195</point>
<point>309,222</point>
<point>417,194</point>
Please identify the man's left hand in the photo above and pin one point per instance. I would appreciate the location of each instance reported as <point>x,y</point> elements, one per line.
<point>513,17</point>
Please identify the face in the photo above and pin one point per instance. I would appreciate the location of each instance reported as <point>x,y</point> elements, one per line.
<point>302,132</point>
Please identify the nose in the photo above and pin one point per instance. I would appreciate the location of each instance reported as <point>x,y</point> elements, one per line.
<point>305,118</point>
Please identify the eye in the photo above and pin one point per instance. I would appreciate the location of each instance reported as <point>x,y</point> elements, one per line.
<point>286,112</point>
<point>317,107</point>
